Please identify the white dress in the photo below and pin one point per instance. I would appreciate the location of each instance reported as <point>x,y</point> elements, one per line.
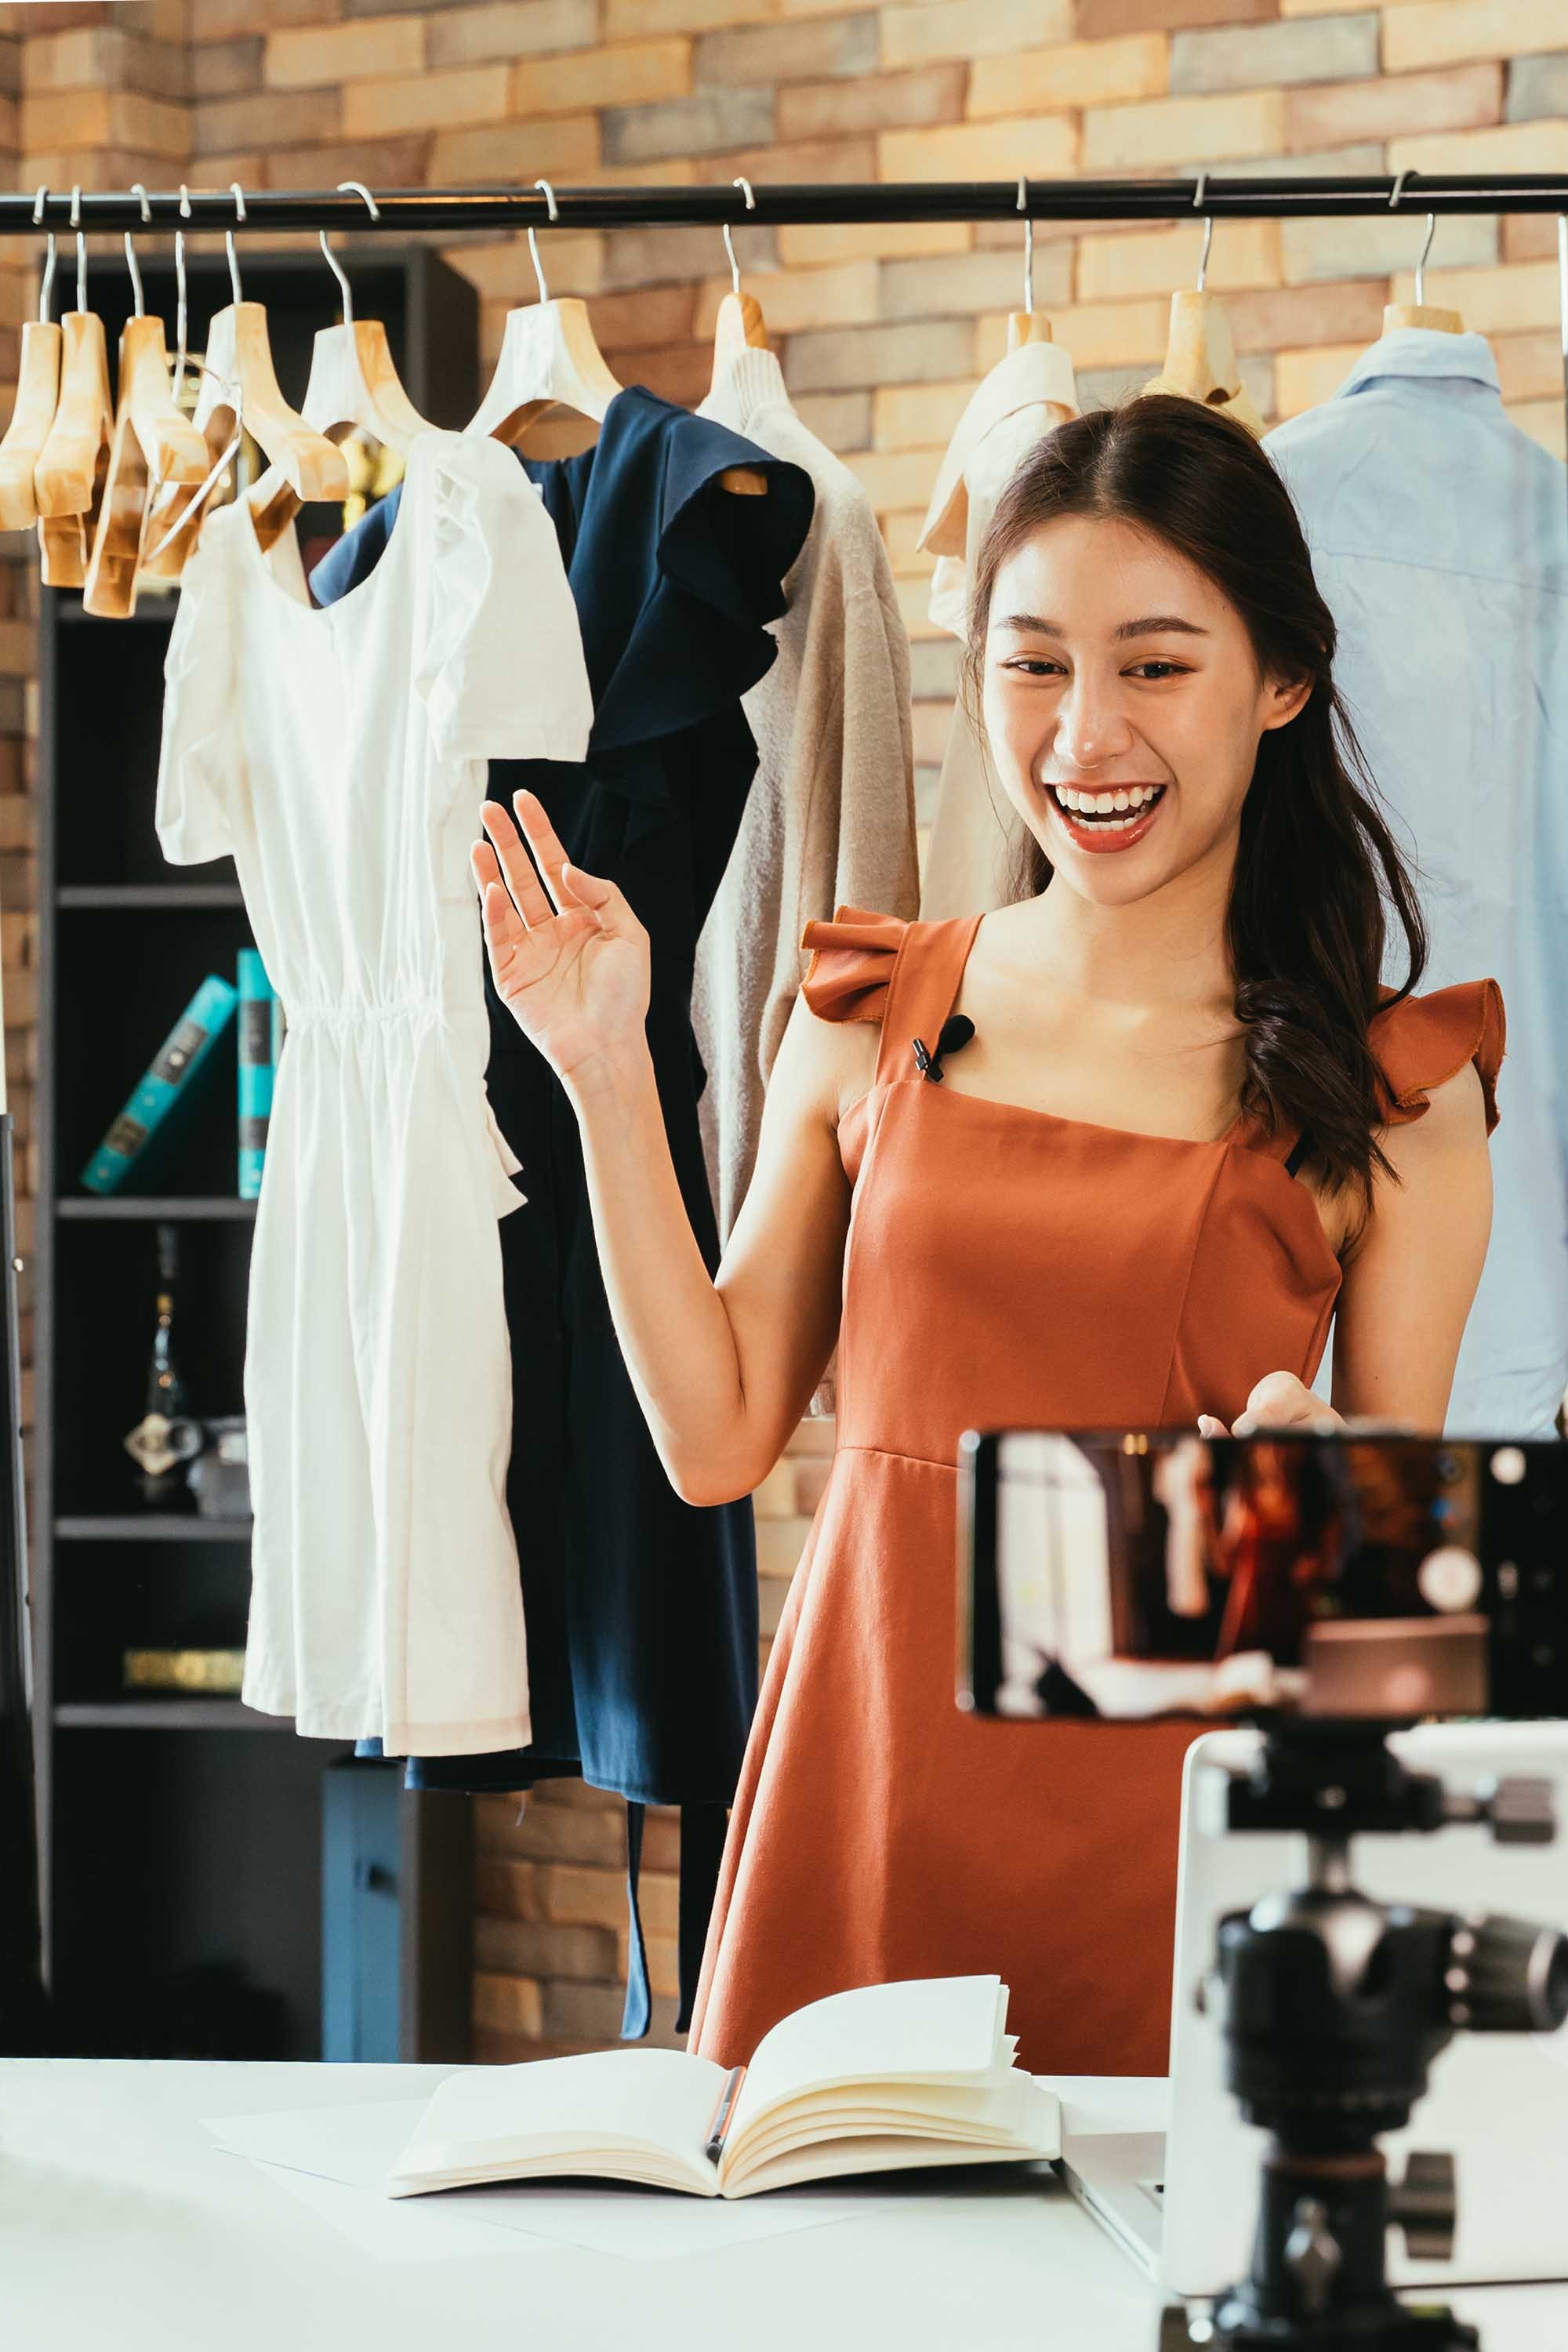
<point>339,756</point>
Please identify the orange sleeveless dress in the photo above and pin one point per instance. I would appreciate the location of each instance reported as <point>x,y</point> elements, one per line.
<point>1004,1267</point>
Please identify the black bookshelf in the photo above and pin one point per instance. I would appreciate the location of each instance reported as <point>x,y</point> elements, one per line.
<point>181,1854</point>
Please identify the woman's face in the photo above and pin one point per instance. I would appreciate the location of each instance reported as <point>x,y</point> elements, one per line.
<point>1120,676</point>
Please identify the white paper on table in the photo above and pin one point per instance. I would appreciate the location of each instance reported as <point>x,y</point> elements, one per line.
<point>379,2225</point>
<point>333,2159</point>
<point>356,2147</point>
<point>355,2144</point>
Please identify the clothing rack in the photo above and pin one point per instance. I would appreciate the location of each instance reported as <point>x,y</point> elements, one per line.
<point>795,204</point>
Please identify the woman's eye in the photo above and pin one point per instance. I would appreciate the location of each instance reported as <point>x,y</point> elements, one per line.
<point>1039,666</point>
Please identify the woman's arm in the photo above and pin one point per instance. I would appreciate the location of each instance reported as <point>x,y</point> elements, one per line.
<point>1411,1277</point>
<point>722,1371</point>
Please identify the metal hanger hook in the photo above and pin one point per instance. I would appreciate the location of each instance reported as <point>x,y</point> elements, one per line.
<point>45,283</point>
<point>237,193</point>
<point>1395,193</point>
<point>341,273</point>
<point>746,188</point>
<point>80,249</point>
<point>182,313</point>
<point>137,297</point>
<point>553,211</point>
<point>1208,229</point>
<point>1029,247</point>
<point>347,188</point>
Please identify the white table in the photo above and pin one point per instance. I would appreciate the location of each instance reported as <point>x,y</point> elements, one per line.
<point>124,2229</point>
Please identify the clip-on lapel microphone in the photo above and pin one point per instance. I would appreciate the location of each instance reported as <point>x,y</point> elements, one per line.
<point>956,1034</point>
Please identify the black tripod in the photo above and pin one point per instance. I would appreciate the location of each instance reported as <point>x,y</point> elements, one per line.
<point>1334,2008</point>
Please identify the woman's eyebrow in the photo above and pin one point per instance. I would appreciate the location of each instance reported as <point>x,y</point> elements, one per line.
<point>1148,626</point>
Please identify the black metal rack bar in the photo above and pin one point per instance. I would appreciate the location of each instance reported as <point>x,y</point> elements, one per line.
<point>454,210</point>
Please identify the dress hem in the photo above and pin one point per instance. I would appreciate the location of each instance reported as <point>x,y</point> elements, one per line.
<point>339,1721</point>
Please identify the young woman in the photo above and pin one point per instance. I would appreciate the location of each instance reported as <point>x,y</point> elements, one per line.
<point>1188,1129</point>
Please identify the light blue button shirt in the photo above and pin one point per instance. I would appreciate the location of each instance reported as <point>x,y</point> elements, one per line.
<point>1438,533</point>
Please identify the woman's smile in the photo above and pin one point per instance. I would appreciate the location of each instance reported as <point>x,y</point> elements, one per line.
<point>1114,816</point>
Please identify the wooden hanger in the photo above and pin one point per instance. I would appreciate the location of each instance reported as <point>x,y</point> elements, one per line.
<point>38,394</point>
<point>355,388</point>
<point>945,530</point>
<point>154,442</point>
<point>73,464</point>
<point>175,521</point>
<point>1200,356</point>
<point>1419,313</point>
<point>240,373</point>
<point>548,359</point>
<point>739,325</point>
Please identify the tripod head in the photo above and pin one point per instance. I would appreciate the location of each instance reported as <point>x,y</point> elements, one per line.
<point>1333,2007</point>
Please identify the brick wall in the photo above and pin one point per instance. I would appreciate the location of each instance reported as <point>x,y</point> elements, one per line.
<point>882,333</point>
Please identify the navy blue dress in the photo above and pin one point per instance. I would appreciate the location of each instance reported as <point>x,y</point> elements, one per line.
<point>641,1610</point>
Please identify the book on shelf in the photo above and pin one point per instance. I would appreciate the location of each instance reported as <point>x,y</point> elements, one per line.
<point>877,2080</point>
<point>185,1670</point>
<point>166,1079</point>
<point>259,1039</point>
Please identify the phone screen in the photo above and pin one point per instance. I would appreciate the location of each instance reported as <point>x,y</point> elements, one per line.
<point>1131,1575</point>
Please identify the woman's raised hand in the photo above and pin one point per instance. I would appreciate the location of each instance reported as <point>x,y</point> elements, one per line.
<point>569,958</point>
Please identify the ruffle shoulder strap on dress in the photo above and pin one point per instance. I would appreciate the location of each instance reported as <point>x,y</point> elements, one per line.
<point>1426,1040</point>
<point>852,960</point>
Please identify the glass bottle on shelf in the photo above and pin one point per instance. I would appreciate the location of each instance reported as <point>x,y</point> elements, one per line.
<point>168,1437</point>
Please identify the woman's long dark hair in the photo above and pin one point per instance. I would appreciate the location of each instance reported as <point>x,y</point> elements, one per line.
<point>1317,870</point>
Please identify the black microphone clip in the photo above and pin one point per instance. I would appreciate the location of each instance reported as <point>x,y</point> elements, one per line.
<point>955,1035</point>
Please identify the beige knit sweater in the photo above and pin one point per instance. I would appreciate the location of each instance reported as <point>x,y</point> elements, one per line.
<point>830,818</point>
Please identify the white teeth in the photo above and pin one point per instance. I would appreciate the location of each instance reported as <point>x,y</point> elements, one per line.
<point>1104,806</point>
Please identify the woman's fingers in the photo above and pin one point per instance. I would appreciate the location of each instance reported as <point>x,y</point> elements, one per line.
<point>547,846</point>
<point>604,901</point>
<point>1281,1400</point>
<point>568,885</point>
<point>514,864</point>
<point>504,931</point>
<point>486,869</point>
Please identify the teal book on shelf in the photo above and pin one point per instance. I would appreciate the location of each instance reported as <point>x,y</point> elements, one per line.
<point>170,1074</point>
<point>259,1040</point>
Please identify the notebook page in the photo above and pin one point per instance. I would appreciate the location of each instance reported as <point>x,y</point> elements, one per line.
<point>1037,2133</point>
<point>1002,2112</point>
<point>593,2105</point>
<point>923,2028</point>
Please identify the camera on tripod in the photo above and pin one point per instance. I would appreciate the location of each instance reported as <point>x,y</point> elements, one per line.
<point>1331,1589</point>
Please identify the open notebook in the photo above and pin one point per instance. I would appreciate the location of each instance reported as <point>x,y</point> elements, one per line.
<point>871,2081</point>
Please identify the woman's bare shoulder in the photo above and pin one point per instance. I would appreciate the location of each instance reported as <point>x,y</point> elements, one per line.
<point>827,1065</point>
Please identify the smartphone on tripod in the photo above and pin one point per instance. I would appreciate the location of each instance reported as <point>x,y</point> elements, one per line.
<point>1329,1589</point>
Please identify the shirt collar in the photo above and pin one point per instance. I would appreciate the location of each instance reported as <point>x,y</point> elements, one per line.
<point>1423,351</point>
